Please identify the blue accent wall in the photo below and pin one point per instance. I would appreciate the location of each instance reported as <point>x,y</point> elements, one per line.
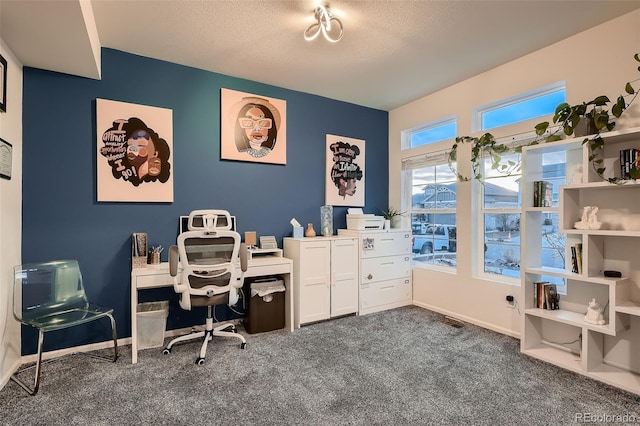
<point>63,220</point>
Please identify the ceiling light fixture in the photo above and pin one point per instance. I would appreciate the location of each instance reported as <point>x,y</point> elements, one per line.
<point>325,19</point>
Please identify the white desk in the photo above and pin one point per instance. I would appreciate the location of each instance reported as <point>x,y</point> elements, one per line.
<point>158,276</point>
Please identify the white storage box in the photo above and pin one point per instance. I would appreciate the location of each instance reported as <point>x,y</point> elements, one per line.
<point>364,221</point>
<point>152,321</point>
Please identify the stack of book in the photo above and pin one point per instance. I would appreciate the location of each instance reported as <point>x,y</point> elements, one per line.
<point>546,296</point>
<point>576,258</point>
<point>542,193</point>
<point>629,160</point>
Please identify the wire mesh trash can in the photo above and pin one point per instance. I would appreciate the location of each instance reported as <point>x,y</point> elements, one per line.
<point>265,311</point>
<point>152,321</point>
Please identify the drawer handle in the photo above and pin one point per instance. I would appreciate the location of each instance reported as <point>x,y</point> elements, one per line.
<point>369,277</point>
<point>386,263</point>
<point>387,287</point>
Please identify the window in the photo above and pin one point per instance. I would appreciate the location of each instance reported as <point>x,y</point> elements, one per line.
<point>433,132</point>
<point>536,103</point>
<point>432,210</point>
<point>500,217</point>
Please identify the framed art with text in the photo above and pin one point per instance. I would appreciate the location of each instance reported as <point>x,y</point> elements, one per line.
<point>6,154</point>
<point>344,183</point>
<point>252,128</point>
<point>134,162</point>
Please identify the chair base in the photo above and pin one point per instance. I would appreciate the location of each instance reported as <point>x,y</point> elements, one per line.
<point>38,365</point>
<point>207,335</point>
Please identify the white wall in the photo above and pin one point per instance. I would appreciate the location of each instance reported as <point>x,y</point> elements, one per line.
<point>595,62</point>
<point>10,218</point>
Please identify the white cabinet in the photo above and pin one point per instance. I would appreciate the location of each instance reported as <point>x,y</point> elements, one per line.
<point>608,352</point>
<point>385,268</point>
<point>325,273</point>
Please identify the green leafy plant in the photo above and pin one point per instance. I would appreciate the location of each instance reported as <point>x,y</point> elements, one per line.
<point>391,213</point>
<point>567,119</point>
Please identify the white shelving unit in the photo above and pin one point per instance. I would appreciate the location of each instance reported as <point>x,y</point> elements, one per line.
<point>609,352</point>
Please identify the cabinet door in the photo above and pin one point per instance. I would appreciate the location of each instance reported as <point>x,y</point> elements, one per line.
<point>314,281</point>
<point>344,277</point>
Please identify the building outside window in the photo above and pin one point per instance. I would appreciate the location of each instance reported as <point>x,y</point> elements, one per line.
<point>432,210</point>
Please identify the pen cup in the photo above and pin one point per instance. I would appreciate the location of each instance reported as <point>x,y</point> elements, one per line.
<point>154,258</point>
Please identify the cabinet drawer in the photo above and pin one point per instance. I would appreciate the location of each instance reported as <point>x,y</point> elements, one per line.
<point>391,292</point>
<point>385,244</point>
<point>385,268</point>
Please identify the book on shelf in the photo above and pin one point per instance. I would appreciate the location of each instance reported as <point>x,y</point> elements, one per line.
<point>542,193</point>
<point>629,159</point>
<point>546,296</point>
<point>578,247</point>
<point>574,260</point>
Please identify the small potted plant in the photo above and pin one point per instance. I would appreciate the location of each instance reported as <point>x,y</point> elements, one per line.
<point>392,218</point>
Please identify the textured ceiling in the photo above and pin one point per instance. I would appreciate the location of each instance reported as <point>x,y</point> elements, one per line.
<point>392,52</point>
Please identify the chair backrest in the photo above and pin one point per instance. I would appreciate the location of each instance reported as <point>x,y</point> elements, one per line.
<point>208,253</point>
<point>44,288</point>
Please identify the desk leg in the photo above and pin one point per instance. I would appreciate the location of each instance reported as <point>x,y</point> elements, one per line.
<point>288,310</point>
<point>134,322</point>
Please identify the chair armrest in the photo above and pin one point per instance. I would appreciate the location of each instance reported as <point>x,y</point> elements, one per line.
<point>174,261</point>
<point>243,257</point>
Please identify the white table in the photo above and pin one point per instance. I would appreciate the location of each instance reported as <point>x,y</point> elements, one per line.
<point>155,276</point>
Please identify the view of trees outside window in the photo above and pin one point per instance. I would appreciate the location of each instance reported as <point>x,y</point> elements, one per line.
<point>433,215</point>
<point>501,219</point>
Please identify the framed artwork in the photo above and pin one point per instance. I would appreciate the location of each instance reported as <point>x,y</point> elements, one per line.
<point>134,162</point>
<point>6,154</point>
<point>252,128</point>
<point>3,84</point>
<point>344,183</point>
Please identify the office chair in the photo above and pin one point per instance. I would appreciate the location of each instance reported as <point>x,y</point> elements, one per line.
<point>50,296</point>
<point>208,254</point>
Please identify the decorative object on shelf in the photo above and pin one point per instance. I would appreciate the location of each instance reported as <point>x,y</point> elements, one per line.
<point>326,220</point>
<point>567,118</point>
<point>574,174</point>
<point>589,219</point>
<point>594,313</point>
<point>310,232</point>
<point>393,216</point>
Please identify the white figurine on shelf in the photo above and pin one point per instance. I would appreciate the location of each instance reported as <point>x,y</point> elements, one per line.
<point>594,313</point>
<point>589,219</point>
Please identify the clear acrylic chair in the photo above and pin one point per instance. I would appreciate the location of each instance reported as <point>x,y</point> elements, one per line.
<point>50,296</point>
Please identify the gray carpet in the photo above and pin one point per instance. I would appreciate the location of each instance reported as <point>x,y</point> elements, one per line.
<point>403,366</point>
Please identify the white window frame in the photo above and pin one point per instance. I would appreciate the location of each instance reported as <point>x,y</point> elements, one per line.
<point>406,134</point>
<point>476,115</point>
<point>432,159</point>
<point>480,227</point>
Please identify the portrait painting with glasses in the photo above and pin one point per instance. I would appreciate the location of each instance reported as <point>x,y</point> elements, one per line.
<point>253,128</point>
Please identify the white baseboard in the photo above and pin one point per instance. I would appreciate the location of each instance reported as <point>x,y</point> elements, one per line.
<point>7,376</point>
<point>464,318</point>
<point>103,345</point>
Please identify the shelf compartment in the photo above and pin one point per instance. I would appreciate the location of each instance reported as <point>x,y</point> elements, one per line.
<point>555,356</point>
<point>575,319</point>
<point>629,307</point>
<point>563,273</point>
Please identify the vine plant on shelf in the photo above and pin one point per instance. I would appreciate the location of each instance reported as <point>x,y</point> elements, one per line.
<point>567,118</point>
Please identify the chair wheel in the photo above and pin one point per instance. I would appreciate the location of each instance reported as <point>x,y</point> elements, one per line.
<point>199,361</point>
<point>243,345</point>
<point>166,351</point>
